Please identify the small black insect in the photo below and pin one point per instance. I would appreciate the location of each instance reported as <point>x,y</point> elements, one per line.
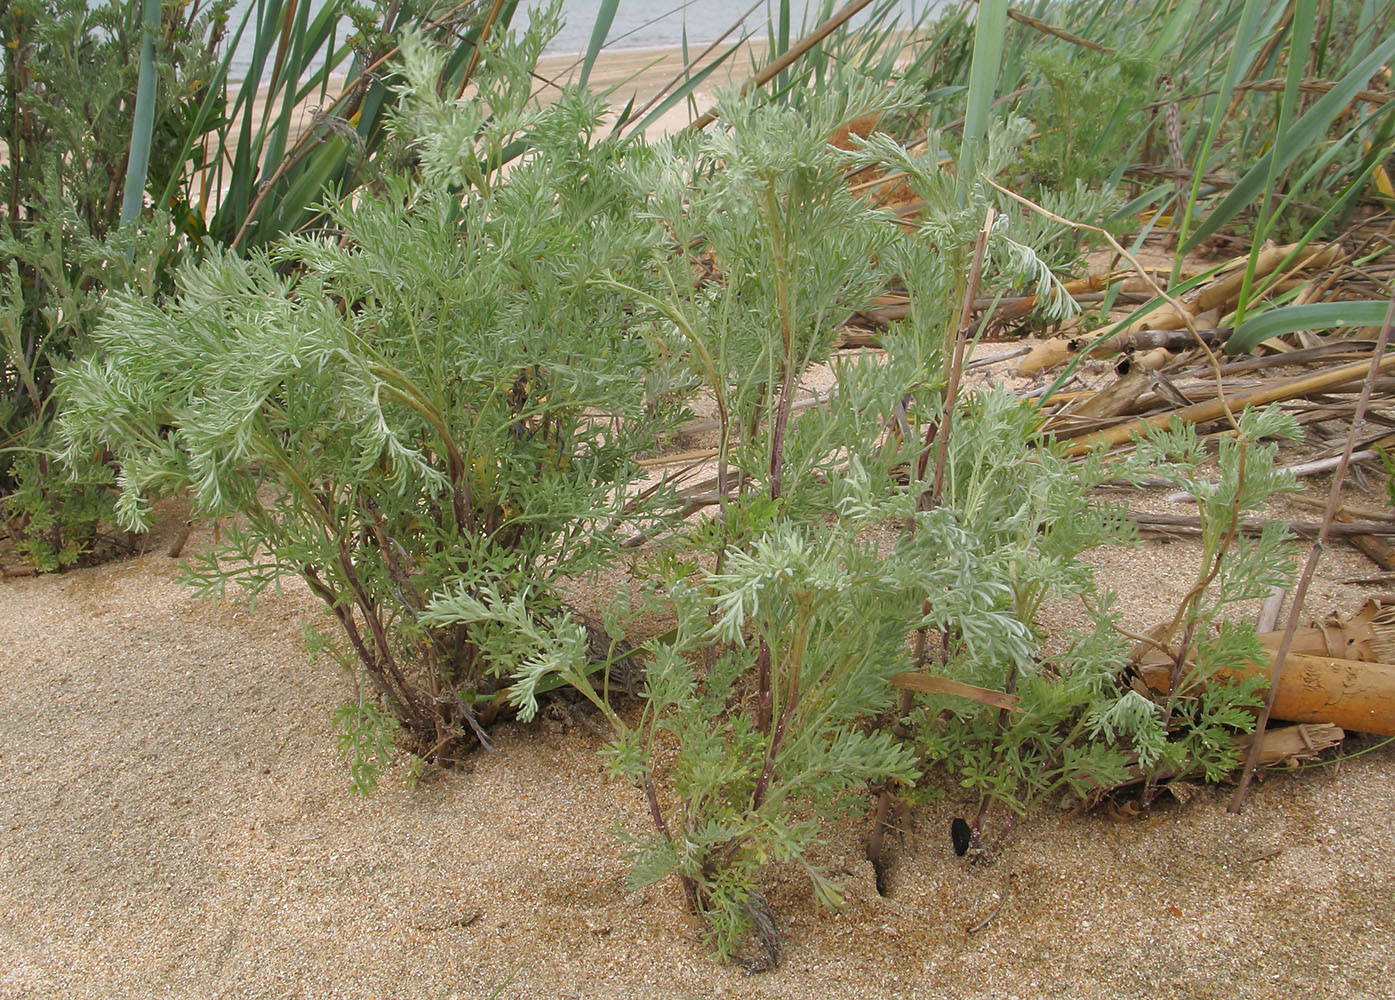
<point>961,834</point>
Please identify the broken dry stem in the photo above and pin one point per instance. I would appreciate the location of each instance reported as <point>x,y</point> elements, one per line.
<point>1157,289</point>
<point>1188,524</point>
<point>1334,500</point>
<point>1222,407</point>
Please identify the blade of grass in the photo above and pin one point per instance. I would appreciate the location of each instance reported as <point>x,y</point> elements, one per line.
<point>1303,24</point>
<point>983,81</point>
<point>143,123</point>
<point>295,18</point>
<point>267,196</point>
<point>1243,50</point>
<point>685,75</point>
<point>1306,132</point>
<point>1333,154</point>
<point>781,42</point>
<point>869,52</point>
<point>676,95</point>
<point>1313,316</point>
<point>604,18</point>
<point>283,44</point>
<point>1182,18</point>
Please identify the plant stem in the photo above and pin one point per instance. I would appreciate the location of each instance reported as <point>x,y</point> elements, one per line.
<point>770,209</point>
<point>479,44</point>
<point>956,368</point>
<point>793,666</point>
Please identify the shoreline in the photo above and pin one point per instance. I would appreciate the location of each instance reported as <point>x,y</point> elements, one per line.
<point>618,75</point>
<point>642,73</point>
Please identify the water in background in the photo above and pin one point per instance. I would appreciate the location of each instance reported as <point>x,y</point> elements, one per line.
<point>638,24</point>
<point>644,24</point>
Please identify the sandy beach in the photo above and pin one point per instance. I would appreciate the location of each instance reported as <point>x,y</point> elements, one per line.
<point>642,73</point>
<point>175,822</point>
<point>622,76</point>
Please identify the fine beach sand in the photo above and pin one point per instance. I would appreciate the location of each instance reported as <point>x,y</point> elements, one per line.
<point>175,822</point>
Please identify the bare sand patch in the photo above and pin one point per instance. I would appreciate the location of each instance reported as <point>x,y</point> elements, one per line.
<point>174,821</point>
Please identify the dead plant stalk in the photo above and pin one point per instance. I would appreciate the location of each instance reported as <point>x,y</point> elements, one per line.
<point>1142,272</point>
<point>1334,501</point>
<point>1206,574</point>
